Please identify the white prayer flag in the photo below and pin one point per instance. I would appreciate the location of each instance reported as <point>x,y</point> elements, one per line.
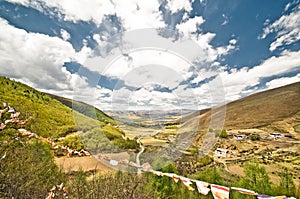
<point>244,191</point>
<point>202,187</point>
<point>220,192</point>
<point>187,182</point>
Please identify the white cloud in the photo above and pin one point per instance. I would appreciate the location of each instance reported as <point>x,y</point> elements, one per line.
<point>236,81</point>
<point>190,26</point>
<point>134,14</point>
<point>177,5</point>
<point>65,35</point>
<point>226,20</point>
<point>209,53</point>
<point>137,14</point>
<point>283,81</point>
<point>233,41</point>
<point>286,28</point>
<point>37,59</point>
<point>73,10</point>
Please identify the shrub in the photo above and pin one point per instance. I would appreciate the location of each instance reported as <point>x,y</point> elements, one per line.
<point>254,137</point>
<point>223,134</point>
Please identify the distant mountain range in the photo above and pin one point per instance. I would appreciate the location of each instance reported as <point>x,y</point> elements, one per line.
<point>274,110</point>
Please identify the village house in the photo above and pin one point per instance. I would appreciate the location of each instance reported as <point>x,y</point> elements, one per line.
<point>221,153</point>
<point>276,135</point>
<point>240,137</point>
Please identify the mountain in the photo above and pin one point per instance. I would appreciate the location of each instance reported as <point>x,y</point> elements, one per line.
<point>274,110</point>
<point>85,109</point>
<point>47,116</point>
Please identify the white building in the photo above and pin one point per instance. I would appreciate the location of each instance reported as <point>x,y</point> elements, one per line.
<point>221,153</point>
<point>276,135</point>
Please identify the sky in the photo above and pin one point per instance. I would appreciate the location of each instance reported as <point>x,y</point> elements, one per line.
<point>151,54</point>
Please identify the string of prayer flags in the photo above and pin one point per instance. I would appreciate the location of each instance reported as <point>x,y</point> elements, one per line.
<point>175,177</point>
<point>244,191</point>
<point>202,187</point>
<point>187,182</point>
<point>220,192</point>
<point>158,173</point>
<point>146,167</point>
<point>260,196</point>
<point>133,164</point>
<point>124,161</point>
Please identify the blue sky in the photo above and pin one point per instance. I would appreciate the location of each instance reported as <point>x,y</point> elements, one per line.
<point>141,54</point>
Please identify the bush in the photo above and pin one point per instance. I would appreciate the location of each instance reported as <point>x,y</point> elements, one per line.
<point>223,134</point>
<point>254,137</point>
<point>72,141</point>
<point>28,169</point>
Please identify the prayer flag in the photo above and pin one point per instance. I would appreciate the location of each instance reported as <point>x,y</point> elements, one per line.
<point>244,191</point>
<point>220,192</point>
<point>187,182</point>
<point>260,196</point>
<point>202,187</point>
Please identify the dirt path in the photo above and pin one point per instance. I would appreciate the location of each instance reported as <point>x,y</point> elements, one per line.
<point>77,163</point>
<point>138,155</point>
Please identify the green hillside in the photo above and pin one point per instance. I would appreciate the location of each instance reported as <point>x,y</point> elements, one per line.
<point>53,118</point>
<point>48,117</point>
<point>85,109</point>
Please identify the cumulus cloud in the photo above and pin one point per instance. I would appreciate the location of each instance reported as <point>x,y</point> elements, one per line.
<point>134,14</point>
<point>37,59</point>
<point>190,26</point>
<point>235,82</point>
<point>177,5</point>
<point>286,28</point>
<point>137,14</point>
<point>65,35</point>
<point>209,54</point>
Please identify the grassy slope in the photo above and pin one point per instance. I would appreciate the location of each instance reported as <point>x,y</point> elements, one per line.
<point>49,117</point>
<point>85,109</point>
<point>264,109</point>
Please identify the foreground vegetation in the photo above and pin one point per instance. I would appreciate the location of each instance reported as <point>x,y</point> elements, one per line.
<point>27,170</point>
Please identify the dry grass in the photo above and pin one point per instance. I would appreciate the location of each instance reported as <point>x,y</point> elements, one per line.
<point>153,142</point>
<point>80,163</point>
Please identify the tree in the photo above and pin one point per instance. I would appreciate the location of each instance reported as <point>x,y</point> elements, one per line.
<point>287,186</point>
<point>256,178</point>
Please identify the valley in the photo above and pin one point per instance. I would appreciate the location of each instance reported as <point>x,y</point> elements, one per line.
<point>82,140</point>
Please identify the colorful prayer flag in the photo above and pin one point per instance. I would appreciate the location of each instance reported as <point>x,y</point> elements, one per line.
<point>187,182</point>
<point>244,191</point>
<point>173,176</point>
<point>220,192</point>
<point>260,196</point>
<point>202,187</point>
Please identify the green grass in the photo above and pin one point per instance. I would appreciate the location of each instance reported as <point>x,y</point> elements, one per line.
<point>86,110</point>
<point>49,117</point>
